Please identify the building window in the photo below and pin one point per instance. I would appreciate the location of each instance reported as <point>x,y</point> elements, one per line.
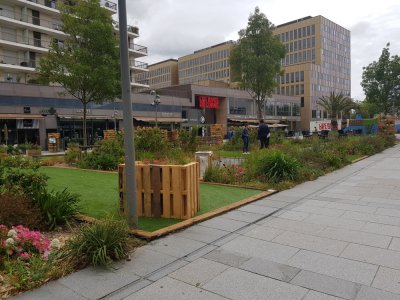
<point>292,77</point>
<point>297,90</point>
<point>299,32</point>
<point>295,110</point>
<point>314,114</point>
<point>308,31</point>
<point>287,77</point>
<point>297,76</point>
<point>313,29</point>
<point>313,42</point>
<point>301,75</point>
<point>291,35</point>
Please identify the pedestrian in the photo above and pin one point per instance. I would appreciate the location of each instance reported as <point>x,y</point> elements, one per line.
<point>245,138</point>
<point>263,134</point>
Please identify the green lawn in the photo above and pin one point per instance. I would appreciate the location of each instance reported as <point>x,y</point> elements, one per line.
<point>99,194</point>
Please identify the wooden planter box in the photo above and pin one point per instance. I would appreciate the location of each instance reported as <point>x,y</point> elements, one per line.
<point>167,191</point>
<point>34,153</point>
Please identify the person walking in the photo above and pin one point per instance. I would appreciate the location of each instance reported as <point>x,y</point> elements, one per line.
<point>263,134</point>
<point>245,138</point>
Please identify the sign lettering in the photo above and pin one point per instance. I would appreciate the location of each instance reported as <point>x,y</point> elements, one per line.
<point>208,102</point>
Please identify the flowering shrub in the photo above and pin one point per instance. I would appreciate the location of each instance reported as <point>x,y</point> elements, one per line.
<point>232,174</point>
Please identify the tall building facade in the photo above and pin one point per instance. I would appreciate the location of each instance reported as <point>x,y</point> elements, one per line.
<point>160,75</point>
<point>317,63</point>
<point>27,30</point>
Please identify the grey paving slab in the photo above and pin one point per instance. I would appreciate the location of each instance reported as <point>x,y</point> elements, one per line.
<point>167,269</point>
<point>327,284</point>
<point>226,257</point>
<point>94,283</point>
<point>311,242</point>
<point>175,246</point>
<point>294,215</point>
<point>50,291</point>
<point>199,253</point>
<point>369,293</point>
<point>388,220</point>
<point>199,272</point>
<point>129,290</point>
<point>270,269</point>
<point>319,210</point>
<point>358,237</point>
<point>373,255</point>
<point>351,207</point>
<point>259,248</point>
<point>264,233</point>
<point>171,289</point>
<point>313,295</point>
<point>202,234</point>
<point>339,196</point>
<point>144,261</point>
<point>226,239</point>
<point>389,230</point>
<point>315,202</point>
<point>284,198</point>
<point>335,222</point>
<point>223,224</point>
<point>395,244</point>
<point>388,280</point>
<point>257,209</point>
<point>270,203</point>
<point>296,226</point>
<point>334,266</point>
<point>240,284</point>
<point>242,216</point>
<point>246,229</point>
<point>388,212</point>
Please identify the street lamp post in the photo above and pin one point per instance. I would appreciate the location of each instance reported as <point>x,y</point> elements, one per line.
<point>155,103</point>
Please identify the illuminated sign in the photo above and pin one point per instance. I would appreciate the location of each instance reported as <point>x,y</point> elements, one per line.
<point>208,102</point>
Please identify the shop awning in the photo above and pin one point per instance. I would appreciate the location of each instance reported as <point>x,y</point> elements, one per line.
<point>248,120</point>
<point>89,117</point>
<point>160,119</point>
<point>20,117</point>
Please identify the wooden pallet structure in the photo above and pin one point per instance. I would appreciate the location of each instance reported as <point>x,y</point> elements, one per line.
<point>166,191</point>
<point>386,125</point>
<point>109,134</point>
<point>54,142</point>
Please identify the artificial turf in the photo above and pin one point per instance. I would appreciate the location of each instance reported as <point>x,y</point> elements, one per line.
<point>99,194</point>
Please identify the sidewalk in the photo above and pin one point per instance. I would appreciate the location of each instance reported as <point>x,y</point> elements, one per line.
<point>337,237</point>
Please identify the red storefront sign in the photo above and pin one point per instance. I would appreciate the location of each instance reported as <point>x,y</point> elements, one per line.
<point>324,126</point>
<point>208,102</point>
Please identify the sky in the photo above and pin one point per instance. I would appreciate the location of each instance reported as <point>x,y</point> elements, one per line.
<point>173,28</point>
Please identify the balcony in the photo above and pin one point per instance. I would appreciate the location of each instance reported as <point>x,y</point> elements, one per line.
<point>140,84</point>
<point>132,30</point>
<point>109,5</point>
<point>19,42</point>
<point>38,24</point>
<point>137,50</point>
<point>13,63</point>
<point>138,66</point>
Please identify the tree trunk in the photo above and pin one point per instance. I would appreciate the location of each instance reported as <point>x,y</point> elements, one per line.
<point>260,114</point>
<point>84,125</point>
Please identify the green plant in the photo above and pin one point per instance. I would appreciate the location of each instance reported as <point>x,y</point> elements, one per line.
<point>73,154</point>
<point>151,140</point>
<point>100,243</point>
<point>58,207</point>
<point>188,139</point>
<point>277,166</point>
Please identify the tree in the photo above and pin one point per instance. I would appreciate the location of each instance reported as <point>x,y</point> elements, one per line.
<point>381,82</point>
<point>256,58</point>
<point>336,105</point>
<point>86,64</point>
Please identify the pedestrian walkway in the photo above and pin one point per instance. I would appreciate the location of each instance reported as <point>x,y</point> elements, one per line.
<point>337,237</point>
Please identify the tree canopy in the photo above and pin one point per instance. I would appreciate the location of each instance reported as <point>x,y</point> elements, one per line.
<point>381,82</point>
<point>256,58</point>
<point>337,104</point>
<point>86,62</point>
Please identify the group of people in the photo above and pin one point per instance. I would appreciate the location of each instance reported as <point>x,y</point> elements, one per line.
<point>263,135</point>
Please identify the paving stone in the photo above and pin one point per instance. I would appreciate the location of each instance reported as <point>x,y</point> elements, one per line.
<point>225,257</point>
<point>284,198</point>
<point>311,242</point>
<point>242,216</point>
<point>171,289</point>
<point>199,272</point>
<point>175,246</point>
<point>369,293</point>
<point>327,284</point>
<point>246,229</point>
<point>382,229</point>
<point>239,284</point>
<point>315,202</point>
<point>388,280</point>
<point>145,261</point>
<point>373,255</point>
<point>167,270</point>
<point>319,210</point>
<point>395,244</point>
<point>270,269</point>
<point>351,207</point>
<point>296,226</point>
<point>372,218</point>
<point>339,196</point>
<point>264,233</point>
<point>294,215</point>
<point>223,224</point>
<point>202,234</point>
<point>94,283</point>
<point>354,236</point>
<point>122,294</point>
<point>313,295</point>
<point>270,203</point>
<point>50,291</point>
<point>199,253</point>
<point>335,222</point>
<point>388,212</point>
<point>334,266</point>
<point>258,209</point>
<point>259,248</point>
<point>225,239</point>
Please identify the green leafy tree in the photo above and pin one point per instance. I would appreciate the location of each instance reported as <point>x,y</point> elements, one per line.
<point>337,105</point>
<point>87,63</point>
<point>367,109</point>
<point>256,58</point>
<point>381,82</point>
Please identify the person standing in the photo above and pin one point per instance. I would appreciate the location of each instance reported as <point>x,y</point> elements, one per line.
<point>263,134</point>
<point>245,138</point>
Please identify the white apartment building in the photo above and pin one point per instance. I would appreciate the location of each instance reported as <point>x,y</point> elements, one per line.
<point>27,29</point>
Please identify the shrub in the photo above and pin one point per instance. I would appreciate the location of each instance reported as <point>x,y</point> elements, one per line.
<point>100,243</point>
<point>277,166</point>
<point>188,139</point>
<point>58,207</point>
<point>73,154</point>
<point>232,174</point>
<point>19,209</point>
<point>19,162</point>
<point>151,140</point>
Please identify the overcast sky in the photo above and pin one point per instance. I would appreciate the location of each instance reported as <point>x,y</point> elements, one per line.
<point>173,28</point>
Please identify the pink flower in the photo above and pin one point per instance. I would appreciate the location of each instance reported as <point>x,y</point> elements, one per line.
<point>25,255</point>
